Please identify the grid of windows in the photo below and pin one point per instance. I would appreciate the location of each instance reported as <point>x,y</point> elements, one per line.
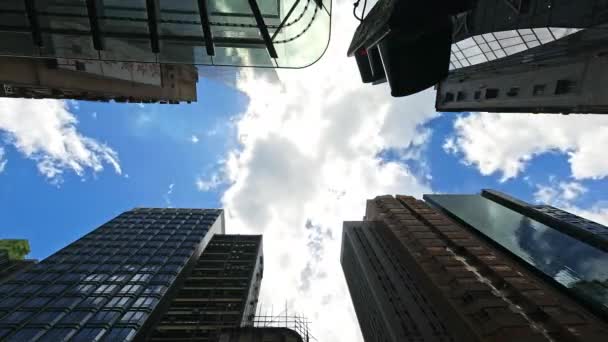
<point>490,46</point>
<point>106,284</point>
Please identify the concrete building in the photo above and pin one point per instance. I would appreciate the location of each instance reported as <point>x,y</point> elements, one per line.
<point>97,80</point>
<point>470,268</point>
<point>529,56</point>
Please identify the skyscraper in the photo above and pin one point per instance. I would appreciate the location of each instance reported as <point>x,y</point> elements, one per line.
<point>472,268</point>
<point>12,257</point>
<point>146,275</point>
<point>147,50</point>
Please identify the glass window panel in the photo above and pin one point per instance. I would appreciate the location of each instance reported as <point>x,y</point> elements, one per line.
<point>16,317</point>
<point>25,334</point>
<point>121,334</point>
<point>58,335</point>
<point>36,302</point>
<point>145,303</point>
<point>92,302</point>
<point>76,317</point>
<point>118,302</point>
<point>47,317</point>
<point>89,335</point>
<point>105,317</point>
<point>134,317</point>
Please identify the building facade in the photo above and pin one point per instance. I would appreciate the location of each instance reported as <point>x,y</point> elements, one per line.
<point>107,284</point>
<point>468,268</point>
<point>12,257</point>
<point>220,293</point>
<point>97,80</point>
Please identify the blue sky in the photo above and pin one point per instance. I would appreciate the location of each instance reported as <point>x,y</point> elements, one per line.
<point>290,160</point>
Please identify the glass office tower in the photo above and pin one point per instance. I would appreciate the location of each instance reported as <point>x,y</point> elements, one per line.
<point>106,285</point>
<point>266,33</point>
<point>475,268</point>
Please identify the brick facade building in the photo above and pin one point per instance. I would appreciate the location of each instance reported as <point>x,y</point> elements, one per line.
<point>414,274</point>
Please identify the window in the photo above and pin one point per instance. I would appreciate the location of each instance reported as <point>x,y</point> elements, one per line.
<point>491,93</point>
<point>141,277</point>
<point>448,97</point>
<point>27,334</point>
<point>96,277</point>
<point>47,277</point>
<point>134,317</point>
<point>11,302</point>
<point>72,277</point>
<point>165,279</point>
<point>47,317</point>
<point>118,302</point>
<point>461,96</point>
<point>89,335</point>
<point>82,289</point>
<point>477,95</point>
<point>118,278</point>
<point>121,334</point>
<point>564,87</point>
<point>145,303</point>
<point>76,317</point>
<point>155,290</point>
<point>538,89</point>
<point>58,334</point>
<point>106,289</point>
<point>130,289</point>
<point>513,92</point>
<point>65,302</point>
<point>105,317</point>
<point>54,290</point>
<point>36,302</point>
<point>16,317</point>
<point>28,289</point>
<point>92,302</point>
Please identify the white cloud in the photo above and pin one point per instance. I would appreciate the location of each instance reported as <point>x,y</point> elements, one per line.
<point>307,162</point>
<point>3,161</point>
<point>210,184</point>
<point>559,192</point>
<point>194,139</point>
<point>506,143</point>
<point>45,131</point>
<point>563,195</point>
<point>167,196</point>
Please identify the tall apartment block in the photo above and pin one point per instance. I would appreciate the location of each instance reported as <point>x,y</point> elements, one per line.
<point>146,275</point>
<point>12,257</point>
<point>481,267</point>
<point>530,56</point>
<point>147,50</point>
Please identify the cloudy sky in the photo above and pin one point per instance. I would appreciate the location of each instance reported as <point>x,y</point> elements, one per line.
<point>291,160</point>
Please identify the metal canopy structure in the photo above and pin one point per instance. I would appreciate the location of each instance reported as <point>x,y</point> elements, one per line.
<point>263,33</point>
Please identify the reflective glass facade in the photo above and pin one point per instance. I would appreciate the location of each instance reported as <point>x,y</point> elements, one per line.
<point>105,285</point>
<point>578,266</point>
<point>491,46</point>
<point>265,33</point>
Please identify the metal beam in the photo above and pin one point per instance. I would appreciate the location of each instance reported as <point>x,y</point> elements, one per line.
<point>204,14</point>
<point>30,8</point>
<point>295,4</point>
<point>94,10</point>
<point>263,28</point>
<point>153,9</point>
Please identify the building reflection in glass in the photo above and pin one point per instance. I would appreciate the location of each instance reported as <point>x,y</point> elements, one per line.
<point>579,267</point>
